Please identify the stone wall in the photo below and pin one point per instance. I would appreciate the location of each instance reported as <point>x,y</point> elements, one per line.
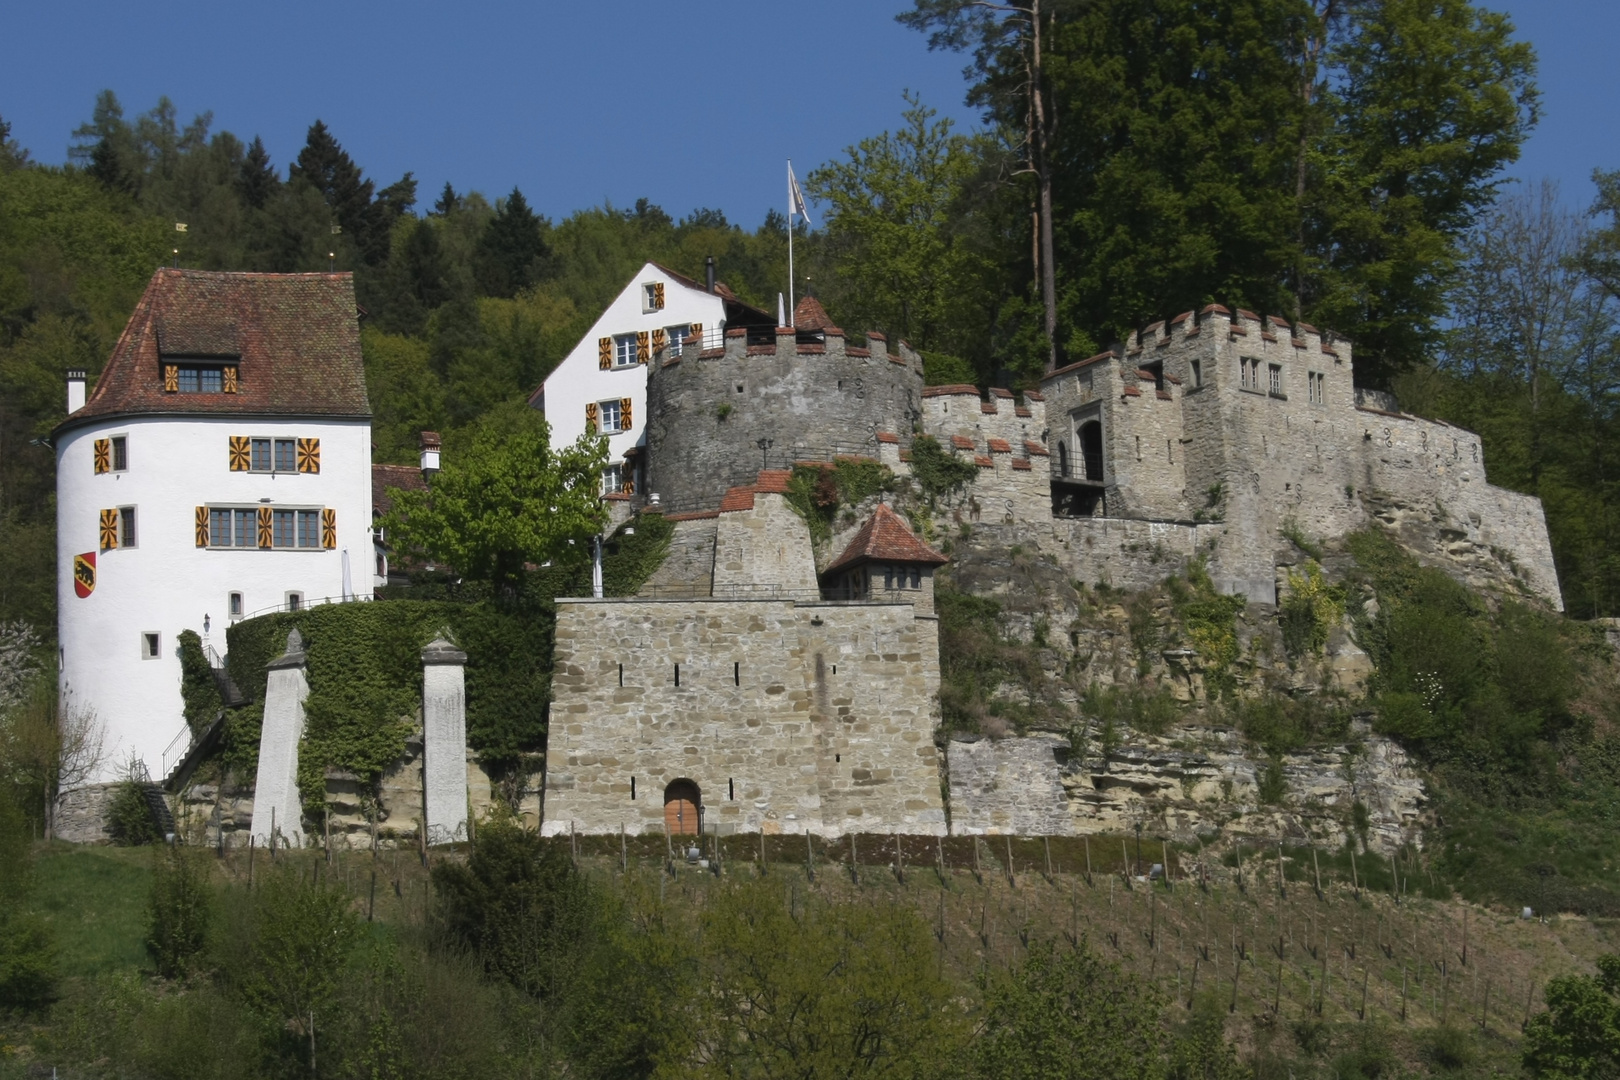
<point>1006,440</point>
<point>761,544</point>
<point>790,717</point>
<point>707,411</point>
<point>689,566</point>
<point>1189,784</point>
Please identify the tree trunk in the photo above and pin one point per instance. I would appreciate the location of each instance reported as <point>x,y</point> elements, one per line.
<point>1040,147</point>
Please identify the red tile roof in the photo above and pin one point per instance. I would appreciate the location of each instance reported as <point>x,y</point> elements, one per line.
<point>961,442</point>
<point>294,338</point>
<point>773,482</point>
<point>998,392</point>
<point>1131,391</point>
<point>1162,395</point>
<point>886,538</point>
<point>1031,395</point>
<point>403,477</point>
<point>950,391</point>
<point>858,353</point>
<point>887,437</point>
<point>694,515</point>
<point>984,461</point>
<point>1109,355</point>
<point>1022,411</point>
<point>1000,446</point>
<point>987,406</point>
<point>1035,449</point>
<point>738,498</point>
<point>1021,463</point>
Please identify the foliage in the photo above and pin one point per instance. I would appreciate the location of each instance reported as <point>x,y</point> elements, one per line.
<point>1059,1000</point>
<point>1271,783</point>
<point>198,691</point>
<point>365,676</point>
<point>816,492</point>
<point>1310,611</point>
<point>178,913</point>
<point>27,949</point>
<point>519,904</point>
<point>505,498</point>
<point>1210,621</point>
<point>1147,709</point>
<point>1477,693</point>
<point>634,553</point>
<point>938,473</point>
<point>1578,1037</point>
<point>1280,724</point>
<point>976,658</point>
<point>302,936</point>
<point>897,237</point>
<point>824,990</point>
<point>129,818</point>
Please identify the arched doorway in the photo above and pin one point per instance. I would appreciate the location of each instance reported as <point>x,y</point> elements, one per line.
<point>682,803</point>
<point>1091,449</point>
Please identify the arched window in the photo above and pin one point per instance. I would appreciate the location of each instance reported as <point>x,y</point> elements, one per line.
<point>682,806</point>
<point>1091,449</point>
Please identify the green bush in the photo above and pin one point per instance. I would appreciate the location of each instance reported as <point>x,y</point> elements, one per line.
<point>1271,783</point>
<point>938,472</point>
<point>180,911</point>
<point>129,818</point>
<point>199,693</point>
<point>27,949</point>
<point>1149,710</point>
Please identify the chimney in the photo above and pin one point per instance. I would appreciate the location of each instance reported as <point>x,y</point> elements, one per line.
<point>75,388</point>
<point>430,454</point>
<point>708,272</point>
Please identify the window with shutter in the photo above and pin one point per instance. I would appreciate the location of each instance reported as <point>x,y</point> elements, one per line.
<point>658,295</point>
<point>590,417</point>
<point>103,455</point>
<point>659,340</point>
<point>229,384</point>
<point>329,528</point>
<point>109,530</point>
<point>624,414</point>
<point>267,527</point>
<point>241,453</point>
<point>309,455</point>
<point>641,346</point>
<point>171,378</point>
<point>202,526</point>
<point>604,353</point>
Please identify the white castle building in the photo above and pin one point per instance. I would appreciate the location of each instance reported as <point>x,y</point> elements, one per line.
<point>602,383</point>
<point>220,468</point>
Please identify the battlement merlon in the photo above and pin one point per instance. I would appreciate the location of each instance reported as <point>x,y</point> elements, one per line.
<point>786,342</point>
<point>959,410</point>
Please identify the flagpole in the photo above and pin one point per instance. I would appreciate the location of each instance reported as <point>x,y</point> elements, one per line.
<point>792,307</point>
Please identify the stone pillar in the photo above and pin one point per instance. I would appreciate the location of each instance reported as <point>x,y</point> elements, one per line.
<point>444,741</point>
<point>276,791</point>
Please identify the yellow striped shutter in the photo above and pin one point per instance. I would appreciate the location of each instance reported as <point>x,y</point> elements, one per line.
<point>590,418</point>
<point>309,455</point>
<point>171,378</point>
<point>604,353</point>
<point>241,453</point>
<point>659,340</point>
<point>658,295</point>
<point>109,529</point>
<point>641,346</point>
<point>230,380</point>
<point>267,527</point>
<point>202,526</point>
<point>103,455</point>
<point>329,528</point>
<point>624,414</point>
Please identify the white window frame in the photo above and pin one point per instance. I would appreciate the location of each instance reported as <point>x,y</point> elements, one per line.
<point>676,335</point>
<point>649,297</point>
<point>1250,374</point>
<point>235,603</point>
<point>151,645</point>
<point>1318,388</point>
<point>294,600</point>
<point>612,479</point>
<point>1274,380</point>
<point>624,351</point>
<point>603,412</point>
<point>129,527</point>
<point>118,446</point>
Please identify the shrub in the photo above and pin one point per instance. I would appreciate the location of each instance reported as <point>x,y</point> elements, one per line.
<point>1309,612</point>
<point>180,910</point>
<point>939,473</point>
<point>129,818</point>
<point>198,691</point>
<point>1271,783</point>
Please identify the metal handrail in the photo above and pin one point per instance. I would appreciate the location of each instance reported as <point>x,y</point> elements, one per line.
<point>308,602</point>
<point>171,757</point>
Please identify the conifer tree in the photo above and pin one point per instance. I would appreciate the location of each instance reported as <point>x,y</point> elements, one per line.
<point>449,202</point>
<point>257,180</point>
<point>512,252</point>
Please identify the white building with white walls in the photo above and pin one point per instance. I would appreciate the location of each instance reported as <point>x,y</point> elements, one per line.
<point>221,468</point>
<point>603,381</point>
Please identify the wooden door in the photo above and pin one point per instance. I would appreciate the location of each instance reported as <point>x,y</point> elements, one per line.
<point>681,802</point>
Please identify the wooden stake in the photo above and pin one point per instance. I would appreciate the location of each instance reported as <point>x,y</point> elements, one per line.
<point>854,860</point>
<point>1088,860</point>
<point>1403,993</point>
<point>1124,853</point>
<point>939,857</point>
<point>1047,841</point>
<point>762,851</point>
<point>1355,879</point>
<point>251,840</point>
<point>1011,880</point>
<point>978,870</point>
<point>809,858</point>
<point>624,851</point>
<point>899,860</point>
<point>1317,867</point>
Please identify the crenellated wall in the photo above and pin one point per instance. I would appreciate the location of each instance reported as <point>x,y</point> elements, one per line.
<point>708,411</point>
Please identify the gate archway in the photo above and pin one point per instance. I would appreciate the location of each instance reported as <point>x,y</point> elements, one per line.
<point>683,804</point>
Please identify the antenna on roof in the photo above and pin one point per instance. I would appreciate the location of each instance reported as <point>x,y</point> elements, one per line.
<point>331,261</point>
<point>177,258</point>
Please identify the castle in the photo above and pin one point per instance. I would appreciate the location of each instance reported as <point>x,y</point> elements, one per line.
<point>755,685</point>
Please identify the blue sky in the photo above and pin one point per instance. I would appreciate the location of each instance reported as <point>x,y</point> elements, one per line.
<point>690,104</point>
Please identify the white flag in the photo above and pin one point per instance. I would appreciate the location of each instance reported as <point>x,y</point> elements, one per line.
<point>796,198</point>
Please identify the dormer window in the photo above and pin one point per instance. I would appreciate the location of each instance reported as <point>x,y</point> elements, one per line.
<point>193,378</point>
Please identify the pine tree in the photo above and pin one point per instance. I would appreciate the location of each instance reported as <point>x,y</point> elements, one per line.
<point>257,179</point>
<point>324,165</point>
<point>513,252</point>
<point>107,147</point>
<point>449,202</point>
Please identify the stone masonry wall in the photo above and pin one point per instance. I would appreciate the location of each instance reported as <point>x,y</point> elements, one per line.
<point>689,566</point>
<point>1188,784</point>
<point>789,717</point>
<point>1005,440</point>
<point>764,545</point>
<point>708,410</point>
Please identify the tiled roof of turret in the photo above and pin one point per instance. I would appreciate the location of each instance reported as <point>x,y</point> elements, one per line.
<point>885,538</point>
<point>810,315</point>
<point>294,339</point>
